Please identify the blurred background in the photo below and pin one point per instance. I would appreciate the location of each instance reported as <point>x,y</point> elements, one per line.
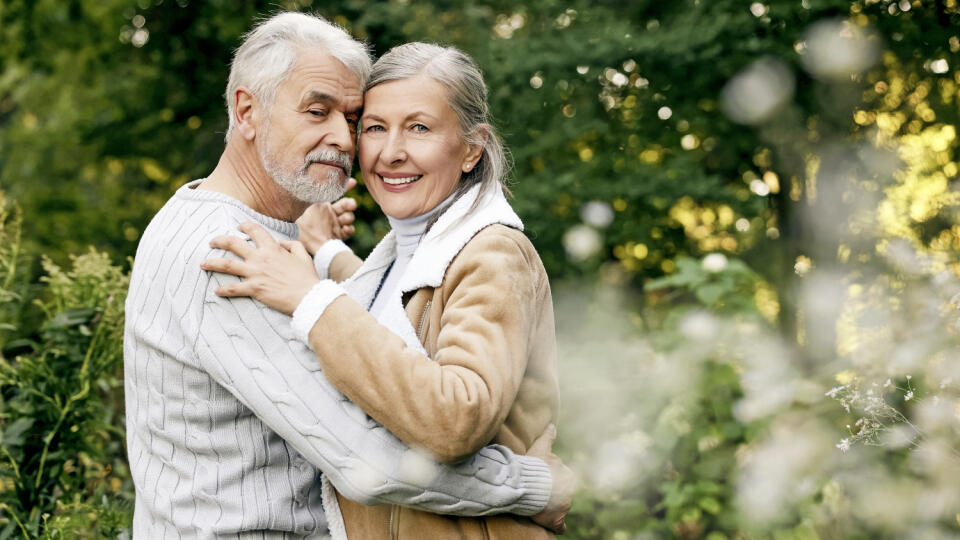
<point>749,211</point>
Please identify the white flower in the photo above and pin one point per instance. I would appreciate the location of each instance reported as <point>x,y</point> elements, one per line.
<point>887,384</point>
<point>836,50</point>
<point>833,391</point>
<point>844,445</point>
<point>755,94</point>
<point>597,213</point>
<point>908,396</point>
<point>582,242</point>
<point>714,262</point>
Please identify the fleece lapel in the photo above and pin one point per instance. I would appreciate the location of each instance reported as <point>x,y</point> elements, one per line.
<point>451,232</point>
<point>362,285</point>
<point>436,251</point>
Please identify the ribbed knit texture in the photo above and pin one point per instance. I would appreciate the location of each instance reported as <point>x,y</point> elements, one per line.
<point>228,415</point>
<point>409,231</point>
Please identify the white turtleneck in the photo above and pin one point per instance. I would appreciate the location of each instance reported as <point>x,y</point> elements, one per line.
<point>409,231</point>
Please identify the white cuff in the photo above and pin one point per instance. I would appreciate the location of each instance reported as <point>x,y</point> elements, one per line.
<point>312,307</point>
<point>325,255</point>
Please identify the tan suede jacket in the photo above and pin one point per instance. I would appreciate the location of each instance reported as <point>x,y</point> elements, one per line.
<point>488,375</point>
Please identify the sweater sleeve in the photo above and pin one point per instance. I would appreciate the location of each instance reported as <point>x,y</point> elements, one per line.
<point>466,391</point>
<point>249,349</point>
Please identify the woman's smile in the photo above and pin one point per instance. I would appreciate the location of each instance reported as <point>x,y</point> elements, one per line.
<point>398,179</point>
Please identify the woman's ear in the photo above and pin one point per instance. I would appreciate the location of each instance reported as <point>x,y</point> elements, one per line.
<point>245,113</point>
<point>475,151</point>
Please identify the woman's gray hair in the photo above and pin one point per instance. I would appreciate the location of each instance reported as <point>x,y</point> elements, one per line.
<point>466,95</point>
<point>269,51</point>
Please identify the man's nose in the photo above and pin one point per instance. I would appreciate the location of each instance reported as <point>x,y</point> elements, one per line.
<point>341,136</point>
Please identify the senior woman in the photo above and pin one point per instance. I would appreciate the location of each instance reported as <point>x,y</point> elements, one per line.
<point>454,302</point>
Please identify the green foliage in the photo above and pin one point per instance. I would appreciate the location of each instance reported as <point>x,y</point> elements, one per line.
<point>107,106</point>
<point>728,288</point>
<point>63,470</point>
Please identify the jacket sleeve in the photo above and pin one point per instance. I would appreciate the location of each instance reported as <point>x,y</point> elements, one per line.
<point>335,260</point>
<point>455,403</point>
<point>249,349</point>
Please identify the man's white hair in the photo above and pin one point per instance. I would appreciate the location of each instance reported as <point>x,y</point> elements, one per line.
<point>269,51</point>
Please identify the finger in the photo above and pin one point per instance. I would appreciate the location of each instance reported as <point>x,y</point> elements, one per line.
<point>238,288</point>
<point>257,233</point>
<point>347,231</point>
<point>233,267</point>
<point>543,444</point>
<point>296,248</point>
<point>237,246</point>
<point>346,204</point>
<point>345,218</point>
<point>351,183</point>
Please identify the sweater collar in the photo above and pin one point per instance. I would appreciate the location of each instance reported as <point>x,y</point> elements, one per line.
<point>189,191</point>
<point>409,231</point>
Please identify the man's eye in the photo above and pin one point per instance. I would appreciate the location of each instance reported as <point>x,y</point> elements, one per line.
<point>317,112</point>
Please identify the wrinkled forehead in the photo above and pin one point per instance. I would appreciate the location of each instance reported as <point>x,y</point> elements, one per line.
<point>316,72</point>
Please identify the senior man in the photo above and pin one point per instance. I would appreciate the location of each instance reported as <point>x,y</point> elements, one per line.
<point>230,421</point>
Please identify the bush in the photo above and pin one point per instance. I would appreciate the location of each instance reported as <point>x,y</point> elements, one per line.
<point>63,471</point>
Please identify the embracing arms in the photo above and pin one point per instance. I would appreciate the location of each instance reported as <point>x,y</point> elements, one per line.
<point>453,405</point>
<point>248,349</point>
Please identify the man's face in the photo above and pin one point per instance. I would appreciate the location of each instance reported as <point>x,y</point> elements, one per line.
<point>306,141</point>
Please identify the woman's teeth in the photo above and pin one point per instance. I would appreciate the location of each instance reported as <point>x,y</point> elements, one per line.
<point>400,181</point>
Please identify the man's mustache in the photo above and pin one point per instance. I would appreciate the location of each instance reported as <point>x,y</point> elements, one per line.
<point>340,159</point>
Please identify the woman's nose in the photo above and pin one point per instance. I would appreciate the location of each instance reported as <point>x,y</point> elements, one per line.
<point>395,150</point>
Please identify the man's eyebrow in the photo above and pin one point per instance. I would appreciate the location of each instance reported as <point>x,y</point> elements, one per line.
<point>315,96</point>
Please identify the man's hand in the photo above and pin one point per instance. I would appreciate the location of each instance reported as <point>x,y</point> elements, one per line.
<point>326,221</point>
<point>553,517</point>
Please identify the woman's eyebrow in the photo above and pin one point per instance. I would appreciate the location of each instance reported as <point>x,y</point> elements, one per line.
<point>424,114</point>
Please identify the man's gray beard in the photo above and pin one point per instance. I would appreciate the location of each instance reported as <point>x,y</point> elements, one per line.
<point>299,185</point>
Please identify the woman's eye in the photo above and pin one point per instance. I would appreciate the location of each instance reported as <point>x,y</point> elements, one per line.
<point>419,128</point>
<point>373,128</point>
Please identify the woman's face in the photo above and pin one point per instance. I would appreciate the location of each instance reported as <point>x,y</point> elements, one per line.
<point>411,151</point>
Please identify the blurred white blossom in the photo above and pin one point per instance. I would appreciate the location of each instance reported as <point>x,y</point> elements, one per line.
<point>582,242</point>
<point>715,262</point>
<point>757,92</point>
<point>597,213</point>
<point>837,49</point>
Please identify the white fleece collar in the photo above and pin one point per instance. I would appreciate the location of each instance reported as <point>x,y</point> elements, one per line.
<point>444,240</point>
<point>436,251</point>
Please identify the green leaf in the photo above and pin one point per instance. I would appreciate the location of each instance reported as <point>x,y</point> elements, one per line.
<point>13,435</point>
<point>710,505</point>
<point>71,317</point>
<point>710,293</point>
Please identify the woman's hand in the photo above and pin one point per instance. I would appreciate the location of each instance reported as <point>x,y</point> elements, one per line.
<point>322,222</point>
<point>279,274</point>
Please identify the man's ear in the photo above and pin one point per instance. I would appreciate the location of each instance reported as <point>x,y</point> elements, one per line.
<point>475,151</point>
<point>246,113</point>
